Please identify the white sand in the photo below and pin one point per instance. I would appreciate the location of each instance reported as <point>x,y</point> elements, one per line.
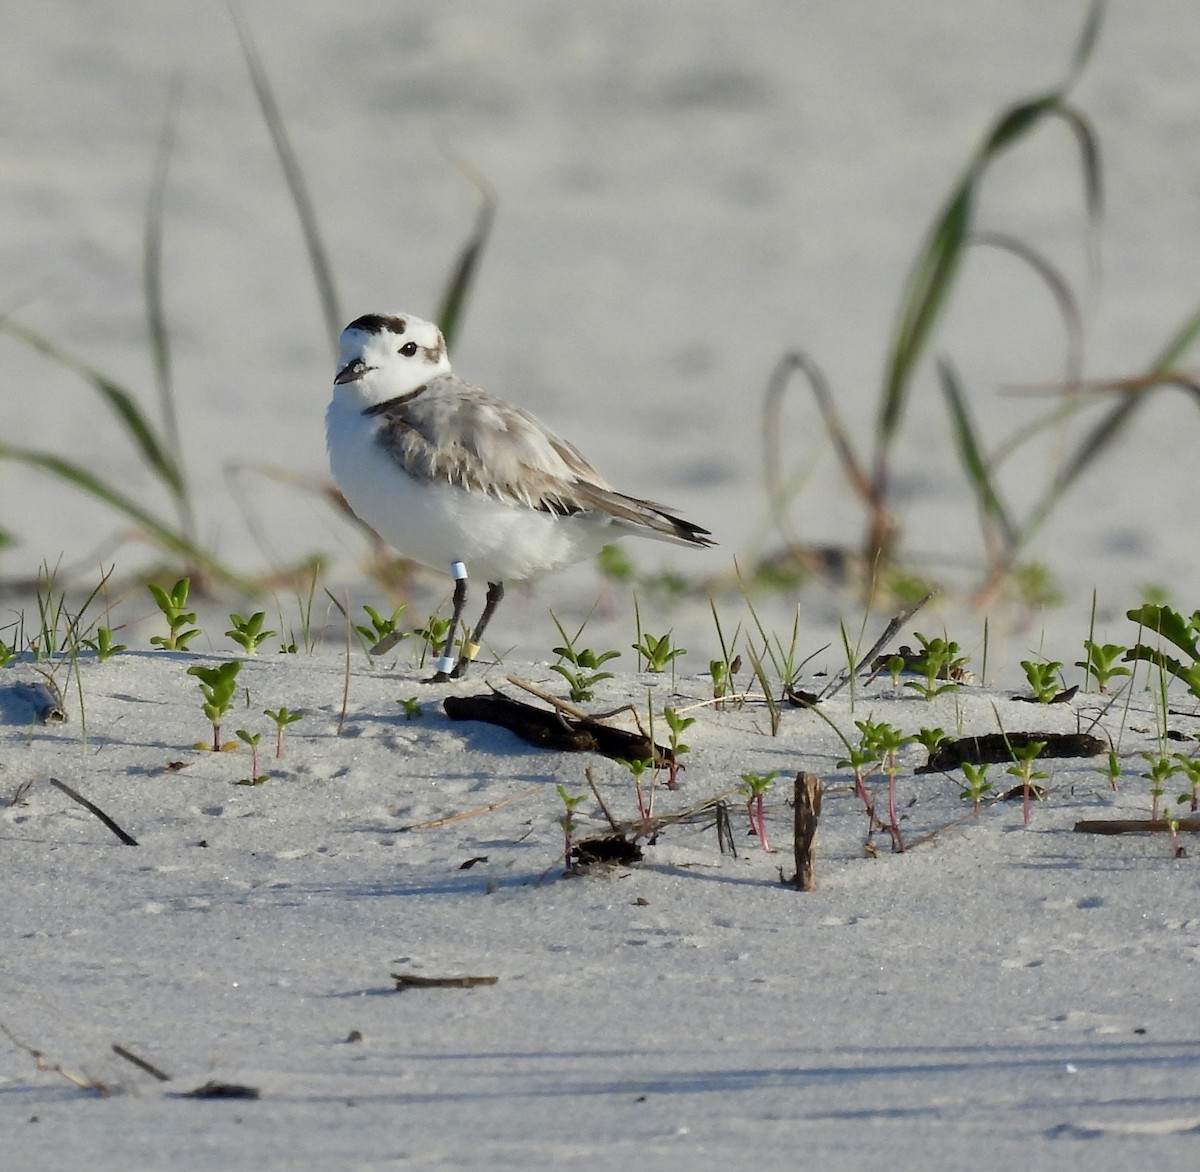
<point>685,193</point>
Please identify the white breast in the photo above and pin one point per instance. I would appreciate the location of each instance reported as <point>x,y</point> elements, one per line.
<point>439,523</point>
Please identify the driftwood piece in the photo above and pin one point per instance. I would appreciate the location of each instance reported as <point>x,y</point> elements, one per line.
<point>411,981</point>
<point>1136,826</point>
<point>996,748</point>
<point>556,730</point>
<point>808,813</point>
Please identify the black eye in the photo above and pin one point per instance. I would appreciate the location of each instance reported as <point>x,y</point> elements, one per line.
<point>408,349</point>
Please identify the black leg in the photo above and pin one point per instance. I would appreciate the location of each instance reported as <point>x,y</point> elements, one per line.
<point>460,601</point>
<point>494,594</point>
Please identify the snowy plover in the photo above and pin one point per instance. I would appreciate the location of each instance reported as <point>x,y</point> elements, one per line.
<point>457,479</point>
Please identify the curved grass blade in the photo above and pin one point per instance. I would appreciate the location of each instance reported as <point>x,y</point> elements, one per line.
<point>318,259</point>
<point>978,473</point>
<point>119,400</point>
<point>159,530</point>
<point>156,320</point>
<point>454,299</point>
<point>929,284</point>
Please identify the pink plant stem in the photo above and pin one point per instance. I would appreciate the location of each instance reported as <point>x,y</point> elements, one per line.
<point>279,744</point>
<point>216,737</point>
<point>641,799</point>
<point>1025,801</point>
<point>758,821</point>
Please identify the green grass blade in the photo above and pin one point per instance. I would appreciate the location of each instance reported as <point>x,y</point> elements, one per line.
<point>161,532</point>
<point>928,287</point>
<point>119,400</point>
<point>156,320</point>
<point>454,299</point>
<point>976,467</point>
<point>1184,339</point>
<point>925,295</point>
<point>294,177</point>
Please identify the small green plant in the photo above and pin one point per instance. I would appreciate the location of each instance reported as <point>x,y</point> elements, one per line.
<point>754,790</point>
<point>1161,769</point>
<point>657,652</point>
<point>637,766</point>
<point>382,628</point>
<point>252,740</point>
<point>103,644</point>
<point>1043,679</point>
<point>1023,769</point>
<point>282,718</point>
<point>7,653</point>
<point>433,635</point>
<point>1190,768</point>
<point>884,741</point>
<point>581,671</point>
<point>567,821</point>
<point>977,787</point>
<point>930,738</point>
<point>677,725</point>
<point>173,605</point>
<point>218,686</point>
<point>248,633</point>
<point>411,706</point>
<point>1112,769</point>
<point>1101,663</point>
<point>940,663</point>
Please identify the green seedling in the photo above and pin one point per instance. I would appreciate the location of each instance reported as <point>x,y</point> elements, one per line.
<point>383,630</point>
<point>282,718</point>
<point>977,787</point>
<point>567,821</point>
<point>939,662</point>
<point>411,706</point>
<point>1161,770</point>
<point>754,789</point>
<point>657,652</point>
<point>7,653</point>
<point>218,685</point>
<point>433,634</point>
<point>884,742</point>
<point>677,725</point>
<point>1112,769</point>
<point>1023,769</point>
<point>1190,768</point>
<point>179,619</point>
<point>248,633</point>
<point>103,644</point>
<point>930,738</point>
<point>581,669</point>
<point>1101,663</point>
<point>252,740</point>
<point>637,767</point>
<point>1043,679</point>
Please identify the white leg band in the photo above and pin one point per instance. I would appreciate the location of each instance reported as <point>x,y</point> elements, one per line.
<point>446,664</point>
<point>458,570</point>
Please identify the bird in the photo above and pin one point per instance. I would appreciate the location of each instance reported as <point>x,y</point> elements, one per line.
<point>459,480</point>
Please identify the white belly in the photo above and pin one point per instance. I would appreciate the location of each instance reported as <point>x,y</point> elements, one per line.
<point>437,523</point>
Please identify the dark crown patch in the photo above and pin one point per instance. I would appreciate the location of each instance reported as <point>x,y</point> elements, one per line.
<point>376,323</point>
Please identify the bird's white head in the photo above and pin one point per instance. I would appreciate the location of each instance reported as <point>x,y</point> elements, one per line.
<point>383,355</point>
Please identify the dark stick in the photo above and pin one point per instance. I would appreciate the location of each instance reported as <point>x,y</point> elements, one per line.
<point>126,839</point>
<point>1136,826</point>
<point>808,813</point>
<point>148,1067</point>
